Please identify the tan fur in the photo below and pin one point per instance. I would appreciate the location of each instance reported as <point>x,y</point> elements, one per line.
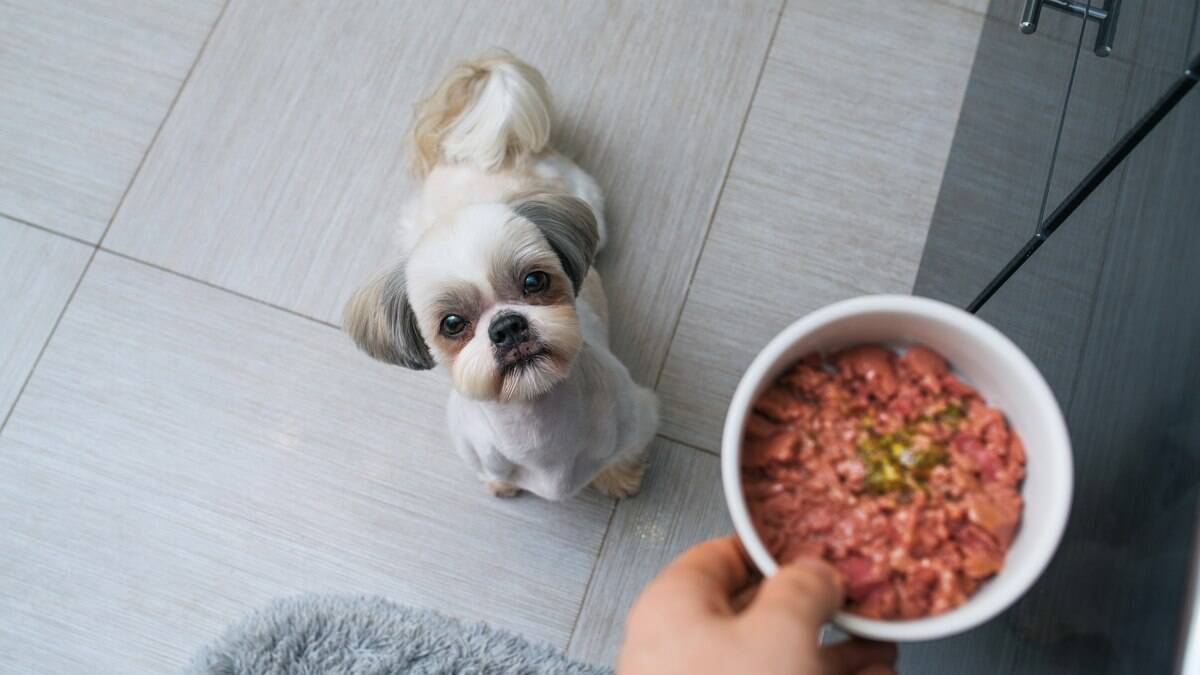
<point>592,293</point>
<point>502,489</point>
<point>435,115</point>
<point>365,319</point>
<point>381,323</point>
<point>623,478</point>
<point>559,328</point>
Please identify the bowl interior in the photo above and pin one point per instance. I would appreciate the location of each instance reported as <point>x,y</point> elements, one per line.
<point>988,361</point>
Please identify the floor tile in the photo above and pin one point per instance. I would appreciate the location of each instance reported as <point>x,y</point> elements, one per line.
<point>85,86</point>
<point>681,504</point>
<point>293,127</point>
<point>182,456</point>
<point>38,270</point>
<point>978,6</point>
<point>831,192</point>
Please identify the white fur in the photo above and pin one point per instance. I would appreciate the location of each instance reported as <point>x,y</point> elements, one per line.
<point>556,444</point>
<point>459,252</point>
<point>448,189</point>
<point>555,426</point>
<point>459,246</point>
<point>510,109</point>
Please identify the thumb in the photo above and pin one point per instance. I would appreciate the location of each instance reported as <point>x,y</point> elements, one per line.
<point>808,591</point>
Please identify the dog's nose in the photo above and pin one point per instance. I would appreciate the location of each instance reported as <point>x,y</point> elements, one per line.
<point>508,330</point>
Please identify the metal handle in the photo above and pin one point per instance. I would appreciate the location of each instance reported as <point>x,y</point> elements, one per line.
<point>1105,16</point>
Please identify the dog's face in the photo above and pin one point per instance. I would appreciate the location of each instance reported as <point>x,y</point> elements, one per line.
<point>490,295</point>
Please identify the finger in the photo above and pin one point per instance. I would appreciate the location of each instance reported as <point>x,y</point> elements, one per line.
<point>708,574</point>
<point>807,590</point>
<point>855,655</point>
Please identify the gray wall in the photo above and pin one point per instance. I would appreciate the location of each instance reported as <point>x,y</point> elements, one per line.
<point>1109,309</point>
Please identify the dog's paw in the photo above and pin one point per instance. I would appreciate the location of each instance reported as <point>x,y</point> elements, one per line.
<point>502,489</point>
<point>623,479</point>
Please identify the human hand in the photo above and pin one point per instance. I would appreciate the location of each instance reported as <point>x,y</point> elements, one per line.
<point>708,613</point>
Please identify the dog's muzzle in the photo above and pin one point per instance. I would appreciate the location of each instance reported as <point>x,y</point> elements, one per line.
<point>514,342</point>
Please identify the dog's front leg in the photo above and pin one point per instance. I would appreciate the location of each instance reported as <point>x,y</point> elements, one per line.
<point>488,466</point>
<point>623,478</point>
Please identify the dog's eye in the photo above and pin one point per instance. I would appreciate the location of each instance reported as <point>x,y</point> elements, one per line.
<point>536,282</point>
<point>453,325</point>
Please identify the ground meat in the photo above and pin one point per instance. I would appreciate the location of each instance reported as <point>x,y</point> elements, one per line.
<point>892,469</point>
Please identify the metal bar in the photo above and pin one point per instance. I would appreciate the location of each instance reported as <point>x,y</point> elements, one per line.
<point>1106,30</point>
<point>1032,12</point>
<point>1030,15</point>
<point>1095,177</point>
<point>1078,9</point>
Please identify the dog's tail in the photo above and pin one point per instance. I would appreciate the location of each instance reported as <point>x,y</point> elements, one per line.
<point>490,112</point>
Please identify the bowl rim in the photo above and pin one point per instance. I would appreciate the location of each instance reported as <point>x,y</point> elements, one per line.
<point>968,615</point>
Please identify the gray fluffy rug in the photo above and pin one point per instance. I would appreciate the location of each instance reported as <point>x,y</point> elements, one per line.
<point>308,635</point>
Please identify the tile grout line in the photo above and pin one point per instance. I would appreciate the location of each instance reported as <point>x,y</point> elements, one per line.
<point>162,125</point>
<point>604,541</point>
<point>46,343</point>
<point>690,446</point>
<point>209,284</point>
<point>612,515</point>
<point>737,144</point>
<point>96,246</point>
<point>43,228</point>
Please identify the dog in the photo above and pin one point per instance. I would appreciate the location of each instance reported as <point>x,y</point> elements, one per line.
<point>497,285</point>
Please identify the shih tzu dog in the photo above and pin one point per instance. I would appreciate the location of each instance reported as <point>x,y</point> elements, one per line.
<point>497,285</point>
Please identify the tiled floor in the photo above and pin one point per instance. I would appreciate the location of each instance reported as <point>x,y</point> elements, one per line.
<point>84,86</point>
<point>187,433</point>
<point>835,118</point>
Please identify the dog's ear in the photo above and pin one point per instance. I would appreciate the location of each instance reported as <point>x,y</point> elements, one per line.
<point>383,324</point>
<point>568,224</point>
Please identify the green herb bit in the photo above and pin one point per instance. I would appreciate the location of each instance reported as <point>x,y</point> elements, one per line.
<point>952,413</point>
<point>894,463</point>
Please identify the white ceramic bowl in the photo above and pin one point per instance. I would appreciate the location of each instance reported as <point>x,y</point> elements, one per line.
<point>987,360</point>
